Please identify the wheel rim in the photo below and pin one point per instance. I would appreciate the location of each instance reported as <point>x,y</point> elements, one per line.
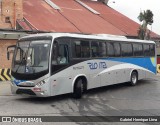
<point>134,78</point>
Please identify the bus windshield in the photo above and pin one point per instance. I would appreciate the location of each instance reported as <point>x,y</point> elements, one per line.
<point>31,56</point>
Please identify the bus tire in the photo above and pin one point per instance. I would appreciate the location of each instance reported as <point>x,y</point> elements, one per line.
<point>78,89</point>
<point>134,78</point>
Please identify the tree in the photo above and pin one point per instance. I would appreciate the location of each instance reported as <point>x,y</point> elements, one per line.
<point>146,17</point>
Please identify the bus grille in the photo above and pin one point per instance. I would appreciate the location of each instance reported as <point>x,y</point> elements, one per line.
<point>25,91</point>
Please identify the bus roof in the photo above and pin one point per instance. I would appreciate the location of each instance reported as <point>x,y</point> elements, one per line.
<point>89,36</point>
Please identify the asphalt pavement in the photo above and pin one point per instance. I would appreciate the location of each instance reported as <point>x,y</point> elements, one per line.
<point>5,89</point>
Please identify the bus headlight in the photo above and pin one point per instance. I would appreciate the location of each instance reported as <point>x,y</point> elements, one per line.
<point>41,82</point>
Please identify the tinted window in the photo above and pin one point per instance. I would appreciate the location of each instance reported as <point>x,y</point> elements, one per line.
<point>80,49</point>
<point>85,51</point>
<point>126,49</point>
<point>60,53</point>
<point>102,49</point>
<point>76,50</point>
<point>146,50</point>
<point>94,49</point>
<point>110,49</point>
<point>152,50</point>
<point>138,50</point>
<point>117,50</point>
<point>63,54</point>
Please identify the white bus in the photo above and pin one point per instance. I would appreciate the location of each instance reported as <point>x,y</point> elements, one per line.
<point>57,63</point>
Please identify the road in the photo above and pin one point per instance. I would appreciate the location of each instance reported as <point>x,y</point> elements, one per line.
<point>115,100</point>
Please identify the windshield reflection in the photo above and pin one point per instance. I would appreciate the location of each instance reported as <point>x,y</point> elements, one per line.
<point>31,56</point>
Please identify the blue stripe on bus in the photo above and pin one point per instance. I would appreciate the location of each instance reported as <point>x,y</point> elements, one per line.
<point>147,63</point>
<point>17,82</point>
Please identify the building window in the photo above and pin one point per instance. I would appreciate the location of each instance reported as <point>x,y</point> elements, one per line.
<point>7,20</point>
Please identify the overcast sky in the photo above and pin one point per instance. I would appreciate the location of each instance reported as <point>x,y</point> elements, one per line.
<point>132,8</point>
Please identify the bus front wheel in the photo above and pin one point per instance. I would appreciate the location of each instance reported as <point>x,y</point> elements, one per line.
<point>134,78</point>
<point>78,89</point>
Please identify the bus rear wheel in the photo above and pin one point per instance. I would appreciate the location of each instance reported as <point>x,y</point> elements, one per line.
<point>134,78</point>
<point>78,89</point>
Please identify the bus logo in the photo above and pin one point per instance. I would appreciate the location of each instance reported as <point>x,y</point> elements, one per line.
<point>95,65</point>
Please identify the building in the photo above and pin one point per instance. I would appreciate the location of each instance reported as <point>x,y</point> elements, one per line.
<point>84,16</point>
<point>10,11</point>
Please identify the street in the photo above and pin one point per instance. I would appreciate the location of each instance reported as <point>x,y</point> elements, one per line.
<point>116,100</point>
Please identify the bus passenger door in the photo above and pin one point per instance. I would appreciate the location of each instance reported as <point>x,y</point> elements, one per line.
<point>59,63</point>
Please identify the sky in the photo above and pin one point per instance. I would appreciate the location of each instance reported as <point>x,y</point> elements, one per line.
<point>132,8</point>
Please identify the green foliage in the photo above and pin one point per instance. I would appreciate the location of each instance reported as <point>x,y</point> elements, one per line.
<point>147,18</point>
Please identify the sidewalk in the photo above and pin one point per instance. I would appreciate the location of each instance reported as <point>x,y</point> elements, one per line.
<point>5,89</point>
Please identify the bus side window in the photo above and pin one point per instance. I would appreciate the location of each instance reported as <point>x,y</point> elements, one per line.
<point>110,49</point>
<point>94,49</point>
<point>152,50</point>
<point>117,49</point>
<point>81,49</point>
<point>102,49</point>
<point>76,49</point>
<point>85,51</point>
<point>138,49</point>
<point>146,50</point>
<point>126,49</point>
<point>63,54</point>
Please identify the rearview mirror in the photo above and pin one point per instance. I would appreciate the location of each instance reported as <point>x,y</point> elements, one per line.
<point>9,50</point>
<point>8,55</point>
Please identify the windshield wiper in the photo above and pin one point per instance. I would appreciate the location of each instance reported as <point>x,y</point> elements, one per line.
<point>21,62</point>
<point>23,58</point>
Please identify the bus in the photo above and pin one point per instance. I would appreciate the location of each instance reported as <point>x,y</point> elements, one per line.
<point>52,64</point>
<point>158,63</point>
<point>158,56</point>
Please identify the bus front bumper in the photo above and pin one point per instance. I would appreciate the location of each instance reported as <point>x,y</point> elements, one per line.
<point>30,91</point>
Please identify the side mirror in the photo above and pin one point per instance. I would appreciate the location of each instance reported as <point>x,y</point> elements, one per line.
<point>8,55</point>
<point>10,49</point>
